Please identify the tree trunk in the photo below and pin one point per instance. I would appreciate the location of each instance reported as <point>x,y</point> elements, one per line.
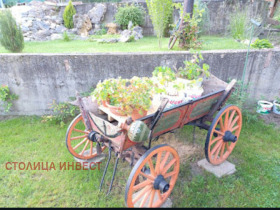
<point>188,8</point>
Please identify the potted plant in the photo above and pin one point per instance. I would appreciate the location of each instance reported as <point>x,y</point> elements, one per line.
<point>192,72</point>
<point>264,107</point>
<point>163,75</point>
<point>276,106</point>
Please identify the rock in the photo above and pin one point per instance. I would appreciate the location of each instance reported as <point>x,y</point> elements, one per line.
<point>137,31</point>
<point>24,29</point>
<point>97,13</point>
<point>42,25</point>
<point>112,28</point>
<point>60,29</point>
<point>53,26</point>
<point>112,40</point>
<point>27,24</point>
<point>42,34</point>
<point>27,39</point>
<point>56,36</point>
<point>126,36</point>
<point>130,25</point>
<point>83,24</point>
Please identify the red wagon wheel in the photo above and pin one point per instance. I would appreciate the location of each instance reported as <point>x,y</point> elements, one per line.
<point>223,134</point>
<point>77,140</point>
<point>153,177</point>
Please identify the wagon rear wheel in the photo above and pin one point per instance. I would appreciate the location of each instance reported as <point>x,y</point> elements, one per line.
<point>223,134</point>
<point>77,140</point>
<point>172,41</point>
<point>153,177</point>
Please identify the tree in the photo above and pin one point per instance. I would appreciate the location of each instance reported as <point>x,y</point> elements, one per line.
<point>188,9</point>
<point>68,13</point>
<point>160,12</point>
<point>10,34</point>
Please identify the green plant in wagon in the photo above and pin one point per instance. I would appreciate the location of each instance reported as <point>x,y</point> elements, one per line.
<point>7,97</point>
<point>192,69</point>
<point>164,75</point>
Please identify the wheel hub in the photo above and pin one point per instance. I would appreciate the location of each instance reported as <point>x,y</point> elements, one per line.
<point>161,184</point>
<point>92,136</point>
<point>229,137</point>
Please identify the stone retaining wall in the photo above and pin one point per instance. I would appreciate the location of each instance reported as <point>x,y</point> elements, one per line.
<point>40,79</point>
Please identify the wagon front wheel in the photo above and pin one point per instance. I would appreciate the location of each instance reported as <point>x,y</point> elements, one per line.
<point>153,177</point>
<point>78,142</point>
<point>223,134</point>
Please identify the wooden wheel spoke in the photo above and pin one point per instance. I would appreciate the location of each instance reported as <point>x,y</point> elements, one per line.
<point>141,185</point>
<point>82,152</point>
<point>216,147</point>
<point>226,120</point>
<point>227,146</point>
<point>159,195</point>
<point>169,174</point>
<point>152,198</point>
<point>80,131</point>
<point>219,132</point>
<point>151,165</point>
<point>215,140</point>
<point>234,121</point>
<point>157,170</point>
<point>144,200</point>
<point>90,151</point>
<point>141,193</point>
<point>222,151</point>
<point>147,176</point>
<point>164,160</point>
<point>221,125</point>
<point>78,137</point>
<point>218,151</point>
<point>168,166</point>
<point>80,144</point>
<point>232,115</point>
<point>235,128</point>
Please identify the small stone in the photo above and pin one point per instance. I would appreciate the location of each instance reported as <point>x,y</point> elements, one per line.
<point>56,36</point>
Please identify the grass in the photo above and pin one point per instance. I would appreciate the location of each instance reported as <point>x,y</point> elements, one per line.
<point>25,139</point>
<point>147,44</point>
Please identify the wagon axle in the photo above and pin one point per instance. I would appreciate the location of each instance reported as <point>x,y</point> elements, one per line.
<point>229,137</point>
<point>161,184</point>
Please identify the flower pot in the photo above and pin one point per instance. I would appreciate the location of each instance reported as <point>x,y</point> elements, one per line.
<point>276,107</point>
<point>174,100</point>
<point>136,114</point>
<point>104,103</point>
<point>115,110</point>
<point>264,107</point>
<point>194,93</point>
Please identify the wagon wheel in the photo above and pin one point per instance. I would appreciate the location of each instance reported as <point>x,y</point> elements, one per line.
<point>172,41</point>
<point>223,134</point>
<point>153,177</point>
<point>78,142</point>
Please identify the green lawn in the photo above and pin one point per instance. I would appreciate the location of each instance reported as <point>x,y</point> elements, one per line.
<point>147,44</point>
<point>25,139</point>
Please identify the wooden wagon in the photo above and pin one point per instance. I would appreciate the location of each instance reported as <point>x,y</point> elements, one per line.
<point>155,169</point>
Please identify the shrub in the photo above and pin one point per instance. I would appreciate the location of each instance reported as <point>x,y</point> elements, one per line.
<point>262,43</point>
<point>66,37</point>
<point>160,12</point>
<point>68,15</point>
<point>131,13</point>
<point>7,97</point>
<point>10,34</point>
<point>238,24</point>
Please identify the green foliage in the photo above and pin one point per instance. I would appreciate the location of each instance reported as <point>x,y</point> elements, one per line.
<point>7,97</point>
<point>191,29</point>
<point>238,24</point>
<point>132,13</point>
<point>101,31</point>
<point>62,113</point>
<point>262,43</point>
<point>66,37</point>
<point>10,34</point>
<point>68,13</point>
<point>160,12</point>
<point>164,74</point>
<point>192,69</point>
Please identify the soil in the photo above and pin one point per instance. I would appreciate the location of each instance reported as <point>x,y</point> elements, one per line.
<point>271,118</point>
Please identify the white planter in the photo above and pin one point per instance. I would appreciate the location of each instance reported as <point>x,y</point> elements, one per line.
<point>194,93</point>
<point>276,107</point>
<point>264,107</point>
